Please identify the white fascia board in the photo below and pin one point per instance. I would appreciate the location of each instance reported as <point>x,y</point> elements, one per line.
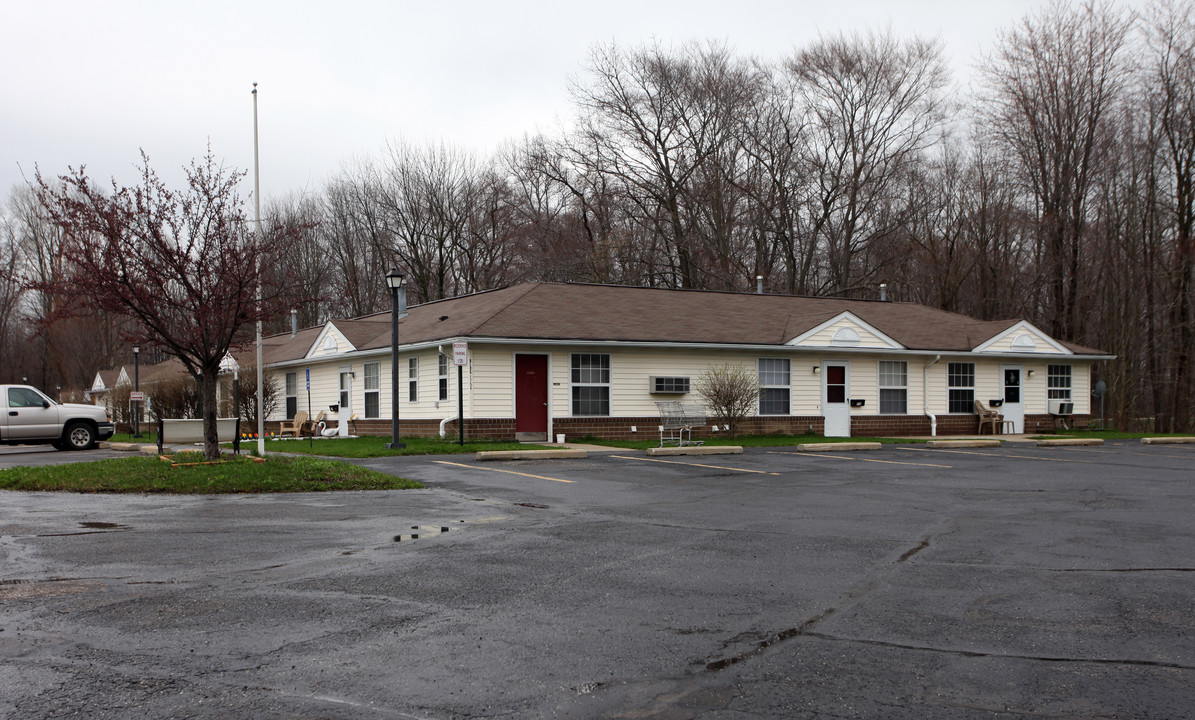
<point>1023,327</point>
<point>844,315</point>
<point>328,329</point>
<point>621,344</point>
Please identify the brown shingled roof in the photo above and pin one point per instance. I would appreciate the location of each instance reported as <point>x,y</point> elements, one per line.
<point>557,311</point>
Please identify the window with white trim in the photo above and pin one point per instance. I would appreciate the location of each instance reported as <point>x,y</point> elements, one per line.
<point>372,404</point>
<point>443,376</point>
<point>292,395</point>
<point>894,387</point>
<point>775,391</point>
<point>590,376</point>
<point>413,379</point>
<point>960,382</point>
<point>1058,382</point>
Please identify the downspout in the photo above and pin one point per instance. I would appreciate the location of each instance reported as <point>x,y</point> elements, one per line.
<point>444,422</point>
<point>933,419</point>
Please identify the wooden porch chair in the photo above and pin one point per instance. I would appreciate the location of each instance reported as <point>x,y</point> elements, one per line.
<point>988,417</point>
<point>308,427</point>
<point>295,426</point>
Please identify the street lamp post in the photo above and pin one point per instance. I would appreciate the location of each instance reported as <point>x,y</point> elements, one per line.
<point>136,388</point>
<point>394,281</point>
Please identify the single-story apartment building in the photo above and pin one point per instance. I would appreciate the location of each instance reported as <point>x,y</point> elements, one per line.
<point>547,359</point>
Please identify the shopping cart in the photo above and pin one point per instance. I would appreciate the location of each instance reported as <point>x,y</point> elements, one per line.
<point>677,421</point>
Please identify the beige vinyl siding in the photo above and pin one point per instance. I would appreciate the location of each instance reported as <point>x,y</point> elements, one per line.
<point>489,381</point>
<point>865,385</point>
<point>807,387</point>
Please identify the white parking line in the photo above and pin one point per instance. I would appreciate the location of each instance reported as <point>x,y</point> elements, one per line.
<point>1001,455</point>
<point>511,472</point>
<point>712,467</point>
<point>861,459</point>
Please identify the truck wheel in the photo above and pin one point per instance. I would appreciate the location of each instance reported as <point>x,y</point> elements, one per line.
<point>78,436</point>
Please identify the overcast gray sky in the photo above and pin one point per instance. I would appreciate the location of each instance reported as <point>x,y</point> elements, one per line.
<point>93,82</point>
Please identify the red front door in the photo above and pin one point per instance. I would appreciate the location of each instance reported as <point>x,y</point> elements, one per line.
<point>531,393</point>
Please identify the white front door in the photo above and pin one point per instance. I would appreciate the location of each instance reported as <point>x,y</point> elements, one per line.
<point>836,406</point>
<point>1012,393</point>
<point>346,402</point>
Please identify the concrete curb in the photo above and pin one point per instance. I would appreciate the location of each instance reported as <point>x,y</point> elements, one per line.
<point>122,446</point>
<point>696,450</point>
<point>844,446</point>
<point>1168,441</point>
<point>532,455</point>
<point>1071,442</point>
<point>962,443</point>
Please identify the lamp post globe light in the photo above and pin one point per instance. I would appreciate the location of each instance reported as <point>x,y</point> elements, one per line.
<point>394,281</point>
<point>136,388</point>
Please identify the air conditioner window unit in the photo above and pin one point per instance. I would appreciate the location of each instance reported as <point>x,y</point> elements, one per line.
<point>1061,407</point>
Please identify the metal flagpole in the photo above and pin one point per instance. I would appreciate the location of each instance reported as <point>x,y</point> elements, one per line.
<point>261,421</point>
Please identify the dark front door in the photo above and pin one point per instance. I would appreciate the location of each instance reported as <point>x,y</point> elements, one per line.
<point>531,394</point>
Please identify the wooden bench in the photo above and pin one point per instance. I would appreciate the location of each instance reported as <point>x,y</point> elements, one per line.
<point>191,431</point>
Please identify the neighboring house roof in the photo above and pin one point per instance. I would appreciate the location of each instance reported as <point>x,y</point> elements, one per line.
<point>613,313</point>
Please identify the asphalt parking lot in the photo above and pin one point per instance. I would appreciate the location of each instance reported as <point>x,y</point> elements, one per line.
<point>901,583</point>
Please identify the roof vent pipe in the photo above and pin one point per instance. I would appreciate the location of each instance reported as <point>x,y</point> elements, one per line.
<point>294,322</point>
<point>883,292</point>
<point>759,284</point>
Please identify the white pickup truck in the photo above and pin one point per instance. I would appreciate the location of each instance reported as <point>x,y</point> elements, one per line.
<point>29,417</point>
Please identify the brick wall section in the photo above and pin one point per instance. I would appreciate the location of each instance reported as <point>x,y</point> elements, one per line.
<point>619,428</point>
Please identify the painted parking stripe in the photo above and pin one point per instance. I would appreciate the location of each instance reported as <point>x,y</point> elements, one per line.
<point>677,462</point>
<point>861,459</point>
<point>1002,455</point>
<point>511,472</point>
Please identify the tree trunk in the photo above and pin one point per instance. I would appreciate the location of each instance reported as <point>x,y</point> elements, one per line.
<point>207,386</point>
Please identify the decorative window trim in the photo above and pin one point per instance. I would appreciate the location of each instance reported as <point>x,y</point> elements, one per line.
<point>1025,342</point>
<point>846,336</point>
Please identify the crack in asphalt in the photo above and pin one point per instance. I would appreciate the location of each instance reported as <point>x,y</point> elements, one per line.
<point>1008,656</point>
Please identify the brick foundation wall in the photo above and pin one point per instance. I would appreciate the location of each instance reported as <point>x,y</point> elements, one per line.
<point>619,428</point>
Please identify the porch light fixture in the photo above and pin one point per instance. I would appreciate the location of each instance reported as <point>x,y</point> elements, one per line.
<point>1031,373</point>
<point>394,281</point>
<point>817,369</point>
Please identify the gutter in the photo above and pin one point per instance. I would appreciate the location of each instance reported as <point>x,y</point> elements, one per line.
<point>933,419</point>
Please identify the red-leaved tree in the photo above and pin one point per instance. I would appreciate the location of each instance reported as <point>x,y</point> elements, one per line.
<point>183,264</point>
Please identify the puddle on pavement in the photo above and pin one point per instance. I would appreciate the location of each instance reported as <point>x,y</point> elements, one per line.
<point>103,525</point>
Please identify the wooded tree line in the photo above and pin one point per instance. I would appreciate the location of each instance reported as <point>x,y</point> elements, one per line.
<point>1059,188</point>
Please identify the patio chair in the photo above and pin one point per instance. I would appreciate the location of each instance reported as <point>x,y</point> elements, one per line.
<point>308,426</point>
<point>988,417</point>
<point>295,426</point>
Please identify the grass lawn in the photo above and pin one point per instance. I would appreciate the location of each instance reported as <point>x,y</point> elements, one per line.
<point>366,447</point>
<point>751,441</point>
<point>1105,434</point>
<point>231,475</point>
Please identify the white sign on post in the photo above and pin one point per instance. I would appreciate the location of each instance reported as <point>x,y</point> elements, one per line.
<point>460,353</point>
<point>136,395</point>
